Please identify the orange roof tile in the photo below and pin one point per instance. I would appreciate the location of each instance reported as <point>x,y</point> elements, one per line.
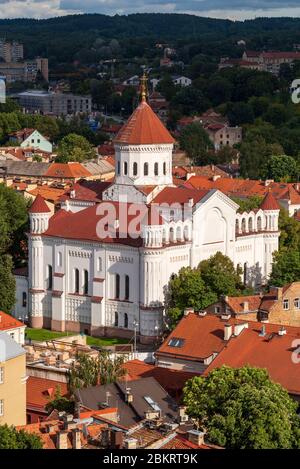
<point>272,352</point>
<point>144,127</point>
<point>67,170</point>
<point>40,391</point>
<point>236,303</point>
<point>8,322</point>
<point>47,192</point>
<point>39,205</point>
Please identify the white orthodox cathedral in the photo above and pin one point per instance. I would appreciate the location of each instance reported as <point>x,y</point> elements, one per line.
<point>80,279</point>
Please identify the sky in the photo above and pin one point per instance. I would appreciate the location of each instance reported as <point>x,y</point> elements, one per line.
<point>231,9</point>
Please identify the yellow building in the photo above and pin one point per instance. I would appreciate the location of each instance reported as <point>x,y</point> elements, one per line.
<point>12,381</point>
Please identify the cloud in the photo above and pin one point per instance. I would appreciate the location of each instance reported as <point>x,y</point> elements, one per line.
<point>236,9</point>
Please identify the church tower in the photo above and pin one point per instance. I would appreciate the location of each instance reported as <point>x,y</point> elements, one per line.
<point>143,150</point>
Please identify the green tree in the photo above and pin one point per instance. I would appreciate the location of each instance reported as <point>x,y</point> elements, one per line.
<point>289,231</point>
<point>243,409</point>
<point>219,274</point>
<point>7,284</point>
<point>74,147</point>
<point>10,438</point>
<point>286,267</point>
<point>249,204</point>
<point>88,371</point>
<point>195,141</point>
<point>60,403</point>
<point>282,168</point>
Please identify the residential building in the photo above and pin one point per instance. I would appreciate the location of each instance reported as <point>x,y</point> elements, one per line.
<point>57,104</point>
<point>202,342</point>
<point>286,194</point>
<point>281,305</point>
<point>136,401</point>
<point>31,138</point>
<point>12,381</point>
<point>40,392</point>
<point>181,80</point>
<point>11,51</point>
<point>26,71</point>
<point>223,135</point>
<point>13,327</point>
<point>106,285</point>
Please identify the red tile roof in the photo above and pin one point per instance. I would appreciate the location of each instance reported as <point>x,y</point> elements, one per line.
<point>170,380</point>
<point>202,336</point>
<point>269,203</point>
<point>180,195</point>
<point>8,322</point>
<point>89,191</point>
<point>40,391</point>
<point>144,127</point>
<point>67,170</point>
<point>272,352</point>
<point>236,303</point>
<point>39,205</point>
<point>83,224</point>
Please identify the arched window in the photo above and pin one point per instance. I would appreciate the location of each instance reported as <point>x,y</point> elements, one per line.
<point>146,169</point>
<point>259,224</point>
<point>250,224</point>
<point>125,168</point>
<point>164,169</point>
<point>135,169</point>
<point>127,284</point>
<point>85,282</point>
<point>155,169</point>
<point>76,281</point>
<point>237,225</point>
<point>116,323</point>
<point>243,225</point>
<point>118,168</point>
<point>49,277</point>
<point>59,259</point>
<point>117,291</point>
<point>24,299</point>
<point>126,320</point>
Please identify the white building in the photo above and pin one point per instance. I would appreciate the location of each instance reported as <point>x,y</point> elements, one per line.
<point>100,270</point>
<point>181,80</point>
<point>37,140</point>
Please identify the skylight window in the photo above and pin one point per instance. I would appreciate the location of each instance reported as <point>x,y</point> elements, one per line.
<point>176,342</point>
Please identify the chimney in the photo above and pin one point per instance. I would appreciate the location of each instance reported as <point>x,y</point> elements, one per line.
<point>72,194</point>
<point>62,439</point>
<point>262,331</point>
<point>196,437</point>
<point>216,177</point>
<point>130,443</point>
<point>187,311</point>
<point>69,422</point>
<point>128,396</point>
<point>282,331</point>
<point>245,306</point>
<point>191,203</point>
<point>189,175</point>
<point>183,417</point>
<point>227,332</point>
<point>279,292</point>
<point>238,328</point>
<point>76,438</point>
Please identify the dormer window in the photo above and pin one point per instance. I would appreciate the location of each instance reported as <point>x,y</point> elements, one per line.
<point>286,304</point>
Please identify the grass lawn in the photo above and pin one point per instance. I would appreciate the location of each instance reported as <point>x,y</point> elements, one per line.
<point>41,335</point>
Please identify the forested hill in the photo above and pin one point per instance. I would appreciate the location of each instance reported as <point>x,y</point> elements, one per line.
<point>62,37</point>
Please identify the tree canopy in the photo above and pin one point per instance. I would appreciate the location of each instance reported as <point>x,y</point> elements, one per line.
<point>10,438</point>
<point>243,409</point>
<point>195,141</point>
<point>74,147</point>
<point>200,287</point>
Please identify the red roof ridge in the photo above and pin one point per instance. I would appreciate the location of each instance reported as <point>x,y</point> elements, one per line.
<point>39,205</point>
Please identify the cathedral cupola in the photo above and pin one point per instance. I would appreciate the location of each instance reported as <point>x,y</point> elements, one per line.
<point>39,214</point>
<point>144,147</point>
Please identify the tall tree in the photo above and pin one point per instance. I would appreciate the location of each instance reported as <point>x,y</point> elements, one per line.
<point>7,284</point>
<point>195,141</point>
<point>74,147</point>
<point>88,371</point>
<point>243,409</point>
